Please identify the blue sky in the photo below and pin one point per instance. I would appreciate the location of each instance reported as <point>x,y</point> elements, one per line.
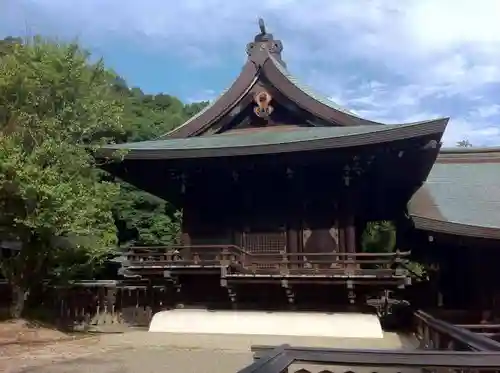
<point>387,60</point>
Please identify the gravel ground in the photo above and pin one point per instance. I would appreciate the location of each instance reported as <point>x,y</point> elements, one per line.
<point>142,352</point>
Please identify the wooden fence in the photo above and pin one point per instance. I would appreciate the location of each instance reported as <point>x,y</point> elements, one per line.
<point>96,305</point>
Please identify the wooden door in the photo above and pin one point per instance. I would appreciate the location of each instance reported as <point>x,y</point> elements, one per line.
<point>318,239</point>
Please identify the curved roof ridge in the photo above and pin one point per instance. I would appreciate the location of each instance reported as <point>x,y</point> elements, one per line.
<point>218,107</point>
<point>316,96</point>
<point>194,117</point>
<point>311,91</point>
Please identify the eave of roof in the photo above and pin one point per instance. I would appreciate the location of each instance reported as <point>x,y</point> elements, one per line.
<point>305,139</point>
<point>462,194</point>
<point>219,107</point>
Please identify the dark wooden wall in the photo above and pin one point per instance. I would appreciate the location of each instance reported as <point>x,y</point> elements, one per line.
<point>267,214</point>
<point>465,272</point>
<point>301,201</point>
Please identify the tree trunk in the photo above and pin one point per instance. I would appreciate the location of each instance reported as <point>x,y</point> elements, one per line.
<point>19,295</point>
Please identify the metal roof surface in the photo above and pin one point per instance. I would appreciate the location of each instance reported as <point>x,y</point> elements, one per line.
<point>461,195</point>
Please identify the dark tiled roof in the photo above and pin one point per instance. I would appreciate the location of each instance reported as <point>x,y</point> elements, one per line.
<point>266,142</point>
<point>461,195</point>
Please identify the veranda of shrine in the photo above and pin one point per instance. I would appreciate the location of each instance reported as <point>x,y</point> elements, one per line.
<point>276,185</point>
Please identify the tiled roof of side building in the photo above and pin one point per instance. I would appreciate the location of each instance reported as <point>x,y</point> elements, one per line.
<point>461,195</point>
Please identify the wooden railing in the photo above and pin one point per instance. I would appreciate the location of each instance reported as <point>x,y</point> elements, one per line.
<point>437,334</point>
<point>241,261</point>
<point>487,330</point>
<point>287,359</point>
<point>443,347</point>
<point>478,321</point>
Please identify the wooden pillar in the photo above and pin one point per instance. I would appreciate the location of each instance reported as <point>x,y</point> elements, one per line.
<point>350,234</point>
<point>185,234</point>
<point>292,242</point>
<point>350,245</point>
<point>342,235</point>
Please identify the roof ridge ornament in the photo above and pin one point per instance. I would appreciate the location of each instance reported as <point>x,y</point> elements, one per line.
<point>262,26</point>
<point>263,44</point>
<point>263,36</point>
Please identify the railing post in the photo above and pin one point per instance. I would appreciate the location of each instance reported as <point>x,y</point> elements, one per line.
<point>426,336</point>
<point>224,257</point>
<point>398,270</point>
<point>243,260</point>
<point>284,265</point>
<point>196,258</point>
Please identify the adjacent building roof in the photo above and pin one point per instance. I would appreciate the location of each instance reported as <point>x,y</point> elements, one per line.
<point>461,195</point>
<point>266,142</point>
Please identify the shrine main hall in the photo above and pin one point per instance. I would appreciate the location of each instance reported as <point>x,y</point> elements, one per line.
<point>277,184</point>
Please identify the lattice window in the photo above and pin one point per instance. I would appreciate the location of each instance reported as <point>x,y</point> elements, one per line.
<point>261,243</point>
<point>265,243</point>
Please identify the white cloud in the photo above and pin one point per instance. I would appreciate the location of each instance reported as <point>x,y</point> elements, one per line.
<point>413,58</point>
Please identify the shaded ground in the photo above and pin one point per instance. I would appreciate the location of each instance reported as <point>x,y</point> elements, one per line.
<point>142,352</point>
<point>23,331</point>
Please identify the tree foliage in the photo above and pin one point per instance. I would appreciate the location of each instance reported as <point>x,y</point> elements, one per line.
<point>144,219</point>
<point>54,105</point>
<point>379,237</point>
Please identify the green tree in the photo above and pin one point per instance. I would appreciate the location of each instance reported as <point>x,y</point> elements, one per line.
<point>144,219</point>
<point>54,106</point>
<point>148,116</point>
<point>141,218</point>
<point>379,237</point>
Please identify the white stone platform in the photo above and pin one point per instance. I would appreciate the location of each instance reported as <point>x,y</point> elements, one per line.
<point>302,324</point>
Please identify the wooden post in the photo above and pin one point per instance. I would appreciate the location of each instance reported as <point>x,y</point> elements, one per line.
<point>185,235</point>
<point>292,242</point>
<point>342,235</point>
<point>350,233</point>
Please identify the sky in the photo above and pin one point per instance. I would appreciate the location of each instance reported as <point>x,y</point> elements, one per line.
<point>392,61</point>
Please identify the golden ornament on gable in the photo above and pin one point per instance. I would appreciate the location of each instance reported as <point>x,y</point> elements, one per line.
<point>263,108</point>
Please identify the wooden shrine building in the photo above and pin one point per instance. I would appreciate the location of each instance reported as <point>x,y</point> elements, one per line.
<point>276,184</point>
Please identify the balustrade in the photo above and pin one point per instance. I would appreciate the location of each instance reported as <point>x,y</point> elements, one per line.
<point>287,359</point>
<point>240,261</point>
